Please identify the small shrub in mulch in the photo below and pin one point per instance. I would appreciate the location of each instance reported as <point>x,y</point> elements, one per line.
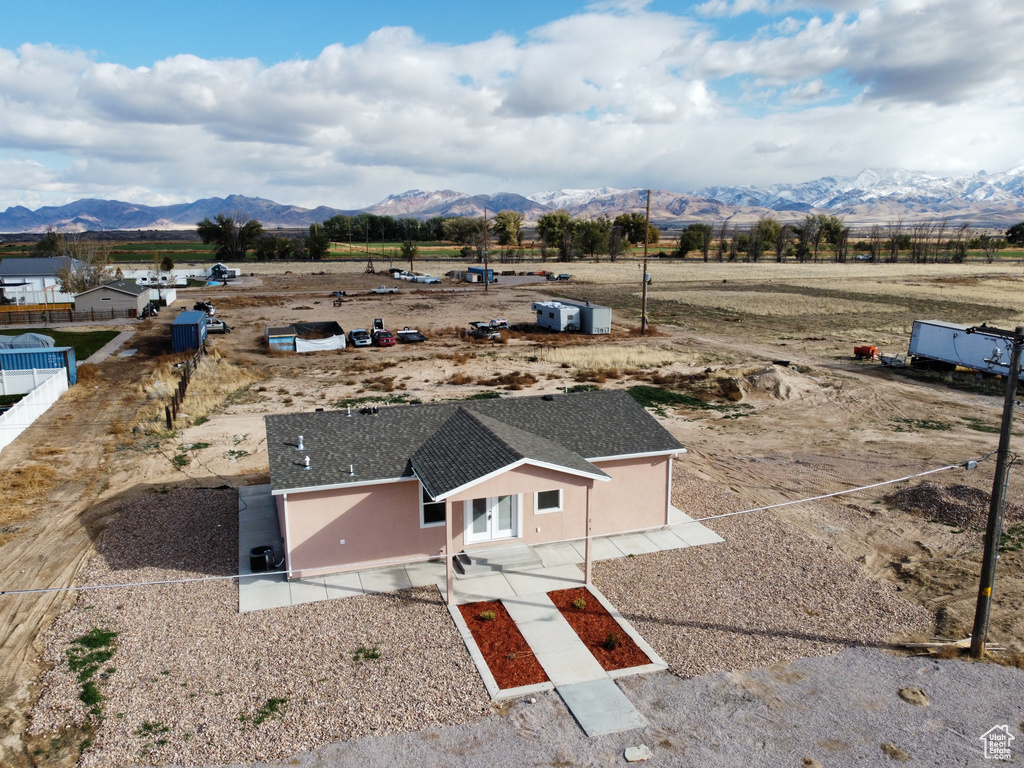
<point>506,652</point>
<point>598,630</point>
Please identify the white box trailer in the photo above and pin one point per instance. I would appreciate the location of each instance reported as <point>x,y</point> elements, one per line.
<point>557,316</point>
<point>938,345</point>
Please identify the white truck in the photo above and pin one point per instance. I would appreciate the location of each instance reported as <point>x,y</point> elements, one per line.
<point>942,346</point>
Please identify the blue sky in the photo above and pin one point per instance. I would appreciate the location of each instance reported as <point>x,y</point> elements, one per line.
<point>341,103</point>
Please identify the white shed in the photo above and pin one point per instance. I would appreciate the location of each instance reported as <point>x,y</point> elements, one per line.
<point>557,316</point>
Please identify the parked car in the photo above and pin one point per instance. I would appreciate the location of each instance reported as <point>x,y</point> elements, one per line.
<point>384,338</point>
<point>482,330</point>
<point>204,306</point>
<point>382,289</point>
<point>563,276</point>
<point>216,325</point>
<point>360,337</point>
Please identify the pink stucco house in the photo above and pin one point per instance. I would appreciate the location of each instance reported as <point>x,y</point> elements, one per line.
<point>404,483</point>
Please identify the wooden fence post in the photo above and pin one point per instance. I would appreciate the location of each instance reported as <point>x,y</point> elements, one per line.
<point>167,413</point>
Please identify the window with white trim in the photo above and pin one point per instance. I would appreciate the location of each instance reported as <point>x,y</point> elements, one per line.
<point>431,512</point>
<point>547,501</point>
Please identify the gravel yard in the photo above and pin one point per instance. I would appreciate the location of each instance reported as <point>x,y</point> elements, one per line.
<point>195,682</point>
<point>193,677</point>
<point>768,594</point>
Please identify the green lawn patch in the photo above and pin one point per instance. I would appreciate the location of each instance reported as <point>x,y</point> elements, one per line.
<point>84,342</point>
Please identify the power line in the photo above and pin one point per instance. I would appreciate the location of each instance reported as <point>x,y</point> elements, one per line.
<point>970,464</point>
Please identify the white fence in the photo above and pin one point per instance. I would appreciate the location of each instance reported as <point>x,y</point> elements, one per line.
<point>32,406</point>
<point>20,382</point>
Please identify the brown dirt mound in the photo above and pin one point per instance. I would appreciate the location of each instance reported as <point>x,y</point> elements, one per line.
<point>960,505</point>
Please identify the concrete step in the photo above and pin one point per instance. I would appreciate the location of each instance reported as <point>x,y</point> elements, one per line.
<point>514,558</point>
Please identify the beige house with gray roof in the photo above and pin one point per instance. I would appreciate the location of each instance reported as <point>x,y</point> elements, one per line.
<point>373,486</point>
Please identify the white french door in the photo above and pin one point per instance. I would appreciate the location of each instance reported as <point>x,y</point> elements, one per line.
<point>495,517</point>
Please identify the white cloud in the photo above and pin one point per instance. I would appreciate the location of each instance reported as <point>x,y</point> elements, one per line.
<point>616,95</point>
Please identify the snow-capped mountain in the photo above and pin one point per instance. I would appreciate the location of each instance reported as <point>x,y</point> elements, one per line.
<point>872,196</point>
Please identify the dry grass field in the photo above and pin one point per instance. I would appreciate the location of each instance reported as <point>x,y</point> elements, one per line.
<point>761,433</point>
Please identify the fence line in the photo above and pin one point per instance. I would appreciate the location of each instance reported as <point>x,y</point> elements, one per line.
<point>32,406</point>
<point>171,411</point>
<point>20,382</point>
<point>64,316</point>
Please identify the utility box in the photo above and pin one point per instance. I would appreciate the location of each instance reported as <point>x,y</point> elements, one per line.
<point>188,331</point>
<point>557,316</point>
<point>938,345</point>
<point>594,319</point>
<point>43,358</point>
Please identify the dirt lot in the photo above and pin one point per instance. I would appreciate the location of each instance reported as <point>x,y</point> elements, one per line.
<point>761,433</point>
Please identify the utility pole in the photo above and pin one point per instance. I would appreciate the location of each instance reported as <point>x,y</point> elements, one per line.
<point>647,233</point>
<point>487,275</point>
<point>983,611</point>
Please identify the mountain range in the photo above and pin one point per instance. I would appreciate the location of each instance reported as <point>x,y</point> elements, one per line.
<point>871,197</point>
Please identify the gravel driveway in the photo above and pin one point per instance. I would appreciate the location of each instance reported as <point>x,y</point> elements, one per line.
<point>840,710</point>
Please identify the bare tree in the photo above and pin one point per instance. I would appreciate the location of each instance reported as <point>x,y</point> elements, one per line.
<point>959,242</point>
<point>875,239</point>
<point>87,264</point>
<point>723,239</point>
<point>894,230</point>
<point>940,239</point>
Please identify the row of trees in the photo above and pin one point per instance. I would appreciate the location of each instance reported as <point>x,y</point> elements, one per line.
<point>817,237</point>
<point>821,236</point>
<point>235,237</point>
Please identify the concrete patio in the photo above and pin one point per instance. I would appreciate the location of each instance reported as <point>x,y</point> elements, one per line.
<point>258,525</point>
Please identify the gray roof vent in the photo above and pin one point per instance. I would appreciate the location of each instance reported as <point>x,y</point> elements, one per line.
<point>300,446</point>
<point>305,463</point>
<point>549,398</point>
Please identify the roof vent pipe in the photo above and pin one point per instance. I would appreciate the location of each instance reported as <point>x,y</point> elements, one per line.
<point>350,411</point>
<point>305,463</point>
<point>300,446</point>
<point>351,471</point>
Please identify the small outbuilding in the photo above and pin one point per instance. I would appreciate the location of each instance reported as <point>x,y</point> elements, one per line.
<point>120,296</point>
<point>557,316</point>
<point>306,337</point>
<point>594,319</point>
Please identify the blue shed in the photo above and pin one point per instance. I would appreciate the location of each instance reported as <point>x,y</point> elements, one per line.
<point>188,331</point>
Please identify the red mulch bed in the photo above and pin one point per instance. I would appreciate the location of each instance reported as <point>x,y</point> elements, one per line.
<point>506,652</point>
<point>593,624</point>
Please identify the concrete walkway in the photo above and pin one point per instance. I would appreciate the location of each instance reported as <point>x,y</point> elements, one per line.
<point>587,690</point>
<point>109,348</point>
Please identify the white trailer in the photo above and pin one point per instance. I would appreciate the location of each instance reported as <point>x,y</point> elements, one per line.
<point>939,345</point>
<point>557,316</point>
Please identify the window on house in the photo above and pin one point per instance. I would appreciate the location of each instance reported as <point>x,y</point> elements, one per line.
<point>431,512</point>
<point>548,501</point>
<point>105,298</point>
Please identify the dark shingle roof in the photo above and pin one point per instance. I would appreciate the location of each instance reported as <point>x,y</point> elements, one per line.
<point>565,430</point>
<point>37,266</point>
<point>121,286</point>
<point>470,446</point>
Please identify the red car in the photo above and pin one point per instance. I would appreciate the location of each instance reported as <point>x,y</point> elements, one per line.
<point>383,338</point>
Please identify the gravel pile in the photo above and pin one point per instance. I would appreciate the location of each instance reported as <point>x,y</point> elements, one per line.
<point>959,505</point>
<point>192,677</point>
<point>767,594</point>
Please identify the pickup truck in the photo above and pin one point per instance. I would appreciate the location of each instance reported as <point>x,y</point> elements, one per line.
<point>563,276</point>
<point>383,289</point>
